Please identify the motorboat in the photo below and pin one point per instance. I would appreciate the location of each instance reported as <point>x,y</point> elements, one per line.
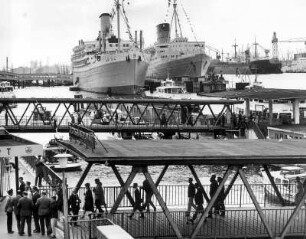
<point>285,180</point>
<point>51,160</point>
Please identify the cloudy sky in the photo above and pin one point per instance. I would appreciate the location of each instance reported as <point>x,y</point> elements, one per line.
<point>47,30</point>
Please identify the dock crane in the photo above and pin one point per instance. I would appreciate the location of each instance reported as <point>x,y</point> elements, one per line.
<point>275,42</point>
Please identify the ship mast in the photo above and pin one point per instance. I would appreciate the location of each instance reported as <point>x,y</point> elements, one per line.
<point>176,20</point>
<point>118,23</point>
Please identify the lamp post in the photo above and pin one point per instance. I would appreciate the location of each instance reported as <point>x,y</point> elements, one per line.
<point>63,158</point>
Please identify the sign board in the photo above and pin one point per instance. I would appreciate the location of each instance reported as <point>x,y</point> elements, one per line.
<point>82,134</point>
<point>21,150</point>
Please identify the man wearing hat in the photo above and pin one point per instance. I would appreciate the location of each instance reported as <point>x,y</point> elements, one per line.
<point>213,188</point>
<point>9,211</point>
<point>99,196</point>
<point>16,210</point>
<point>35,197</point>
<point>25,206</point>
<point>191,194</point>
<point>138,200</point>
<point>299,190</point>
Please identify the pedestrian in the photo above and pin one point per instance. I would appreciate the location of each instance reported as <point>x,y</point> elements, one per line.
<point>39,173</point>
<point>21,184</point>
<point>74,206</point>
<point>148,194</point>
<point>199,202</point>
<point>99,196</point>
<point>35,197</point>
<point>79,119</point>
<point>9,207</point>
<point>220,207</point>
<point>191,194</point>
<point>60,199</point>
<point>44,207</point>
<point>54,215</point>
<point>72,119</point>
<point>16,209</point>
<point>28,189</point>
<point>25,206</point>
<point>299,191</point>
<point>213,189</point>
<point>89,203</point>
<point>55,124</point>
<point>163,120</point>
<point>138,201</point>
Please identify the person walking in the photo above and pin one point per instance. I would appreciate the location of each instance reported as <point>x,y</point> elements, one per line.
<point>35,197</point>
<point>299,191</point>
<point>16,209</point>
<point>99,196</point>
<point>44,205</point>
<point>39,173</point>
<point>9,207</point>
<point>138,200</point>
<point>148,194</point>
<point>89,202</point>
<point>213,189</point>
<point>198,198</point>
<point>191,194</point>
<point>21,184</point>
<point>25,206</point>
<point>220,207</point>
<point>54,215</point>
<point>74,206</point>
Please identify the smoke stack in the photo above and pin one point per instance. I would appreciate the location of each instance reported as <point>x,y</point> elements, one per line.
<point>105,20</point>
<point>140,40</point>
<point>163,33</point>
<point>7,64</point>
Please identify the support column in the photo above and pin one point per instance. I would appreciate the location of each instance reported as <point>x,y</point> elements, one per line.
<point>247,107</point>
<point>296,111</point>
<point>270,112</point>
<point>16,172</point>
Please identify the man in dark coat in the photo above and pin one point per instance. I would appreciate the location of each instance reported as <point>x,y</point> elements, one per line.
<point>220,207</point>
<point>213,189</point>
<point>149,193</point>
<point>9,207</point>
<point>16,209</point>
<point>89,203</point>
<point>35,197</point>
<point>39,171</point>
<point>191,194</point>
<point>74,206</point>
<point>138,200</point>
<point>25,206</point>
<point>54,215</point>
<point>198,198</point>
<point>99,196</point>
<point>44,207</point>
<point>21,184</point>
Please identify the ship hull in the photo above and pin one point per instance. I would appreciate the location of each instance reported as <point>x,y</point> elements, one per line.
<point>228,68</point>
<point>119,78</point>
<point>189,66</point>
<point>266,66</point>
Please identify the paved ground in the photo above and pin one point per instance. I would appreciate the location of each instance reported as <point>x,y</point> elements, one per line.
<point>24,172</point>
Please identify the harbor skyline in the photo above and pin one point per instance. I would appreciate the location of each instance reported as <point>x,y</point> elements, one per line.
<point>48,30</point>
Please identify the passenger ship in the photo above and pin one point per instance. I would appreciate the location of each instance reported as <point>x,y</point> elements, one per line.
<point>110,64</point>
<point>178,57</point>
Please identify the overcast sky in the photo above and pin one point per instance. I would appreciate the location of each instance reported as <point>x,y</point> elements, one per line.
<point>47,30</point>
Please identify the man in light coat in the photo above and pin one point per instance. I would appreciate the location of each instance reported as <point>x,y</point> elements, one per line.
<point>44,208</point>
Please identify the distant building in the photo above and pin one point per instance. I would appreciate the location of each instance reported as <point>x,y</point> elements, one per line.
<point>287,132</point>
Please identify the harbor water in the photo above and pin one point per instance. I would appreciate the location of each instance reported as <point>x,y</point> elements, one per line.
<point>106,175</point>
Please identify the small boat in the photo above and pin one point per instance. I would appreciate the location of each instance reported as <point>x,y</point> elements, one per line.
<point>49,155</point>
<point>285,179</point>
<point>7,91</point>
<point>169,90</point>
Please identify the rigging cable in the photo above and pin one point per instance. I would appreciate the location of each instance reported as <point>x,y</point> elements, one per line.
<point>189,22</point>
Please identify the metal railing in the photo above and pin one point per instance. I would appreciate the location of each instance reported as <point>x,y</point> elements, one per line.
<point>238,223</point>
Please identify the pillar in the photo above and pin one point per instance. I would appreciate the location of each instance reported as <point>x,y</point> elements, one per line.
<point>247,108</point>
<point>270,112</point>
<point>296,111</point>
<point>16,173</point>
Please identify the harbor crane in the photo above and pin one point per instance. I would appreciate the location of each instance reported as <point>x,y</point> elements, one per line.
<point>275,42</point>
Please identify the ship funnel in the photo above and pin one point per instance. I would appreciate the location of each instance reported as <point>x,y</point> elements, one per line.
<point>163,32</point>
<point>105,19</point>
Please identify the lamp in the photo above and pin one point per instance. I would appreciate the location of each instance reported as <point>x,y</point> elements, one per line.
<point>63,158</point>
